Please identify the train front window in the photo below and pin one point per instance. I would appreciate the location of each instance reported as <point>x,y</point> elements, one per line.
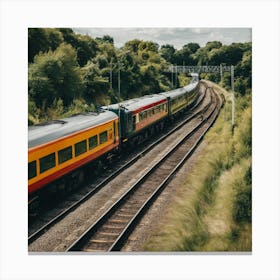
<point>47,162</point>
<point>64,154</point>
<point>32,172</point>
<point>103,137</point>
<point>80,148</point>
<point>93,142</point>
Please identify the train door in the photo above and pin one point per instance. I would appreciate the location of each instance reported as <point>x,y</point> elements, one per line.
<point>129,123</point>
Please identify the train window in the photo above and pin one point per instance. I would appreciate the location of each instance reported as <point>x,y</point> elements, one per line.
<point>145,114</point>
<point>134,122</point>
<point>80,148</point>
<point>93,142</point>
<point>47,162</point>
<point>32,172</point>
<point>103,137</point>
<point>64,154</point>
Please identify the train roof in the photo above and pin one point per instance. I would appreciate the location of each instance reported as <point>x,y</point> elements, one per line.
<point>191,86</point>
<point>179,91</point>
<point>139,104</point>
<point>53,130</point>
<point>194,74</point>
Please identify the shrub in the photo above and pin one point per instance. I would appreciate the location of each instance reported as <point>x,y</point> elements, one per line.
<point>243,206</point>
<point>248,176</point>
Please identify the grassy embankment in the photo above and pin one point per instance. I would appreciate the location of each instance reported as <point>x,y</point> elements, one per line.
<point>212,208</point>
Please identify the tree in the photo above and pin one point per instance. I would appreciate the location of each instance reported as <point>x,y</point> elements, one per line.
<point>149,46</point>
<point>86,49</point>
<point>85,46</point>
<point>213,45</point>
<point>37,41</point>
<point>105,39</point>
<point>95,84</point>
<point>167,52</point>
<point>64,66</point>
<point>193,47</point>
<point>108,39</point>
<point>183,56</point>
<point>132,45</point>
<point>130,75</point>
<point>54,37</point>
<point>55,75</point>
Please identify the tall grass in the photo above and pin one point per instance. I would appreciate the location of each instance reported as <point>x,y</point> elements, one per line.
<point>212,208</point>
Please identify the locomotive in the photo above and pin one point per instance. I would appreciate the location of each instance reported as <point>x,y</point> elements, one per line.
<point>58,149</point>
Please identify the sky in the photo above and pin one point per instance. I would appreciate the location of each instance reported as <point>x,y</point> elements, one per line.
<point>177,37</point>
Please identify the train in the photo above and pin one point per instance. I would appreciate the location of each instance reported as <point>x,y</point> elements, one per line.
<point>59,149</point>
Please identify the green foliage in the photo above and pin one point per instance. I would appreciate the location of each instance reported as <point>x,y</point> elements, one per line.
<point>212,209</point>
<point>193,47</point>
<point>78,106</point>
<point>226,80</point>
<point>214,77</point>
<point>94,83</point>
<point>54,75</point>
<point>86,48</point>
<point>66,66</point>
<point>167,52</point>
<point>56,110</point>
<point>243,135</point>
<point>42,40</point>
<point>248,176</point>
<point>183,80</point>
<point>242,211</point>
<point>33,113</point>
<point>106,39</point>
<point>213,45</point>
<point>242,205</point>
<point>179,57</point>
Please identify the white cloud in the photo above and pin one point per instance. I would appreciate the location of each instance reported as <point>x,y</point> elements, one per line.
<point>174,36</point>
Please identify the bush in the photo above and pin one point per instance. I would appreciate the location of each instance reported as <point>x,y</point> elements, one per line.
<point>248,176</point>
<point>243,206</point>
<point>243,136</point>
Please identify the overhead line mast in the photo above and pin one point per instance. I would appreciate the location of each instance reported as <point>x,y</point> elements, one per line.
<point>208,69</point>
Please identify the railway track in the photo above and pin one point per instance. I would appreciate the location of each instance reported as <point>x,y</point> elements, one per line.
<point>50,220</point>
<point>111,230</point>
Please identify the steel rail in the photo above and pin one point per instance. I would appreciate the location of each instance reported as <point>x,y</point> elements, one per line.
<point>120,241</point>
<point>78,244</point>
<point>34,236</point>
